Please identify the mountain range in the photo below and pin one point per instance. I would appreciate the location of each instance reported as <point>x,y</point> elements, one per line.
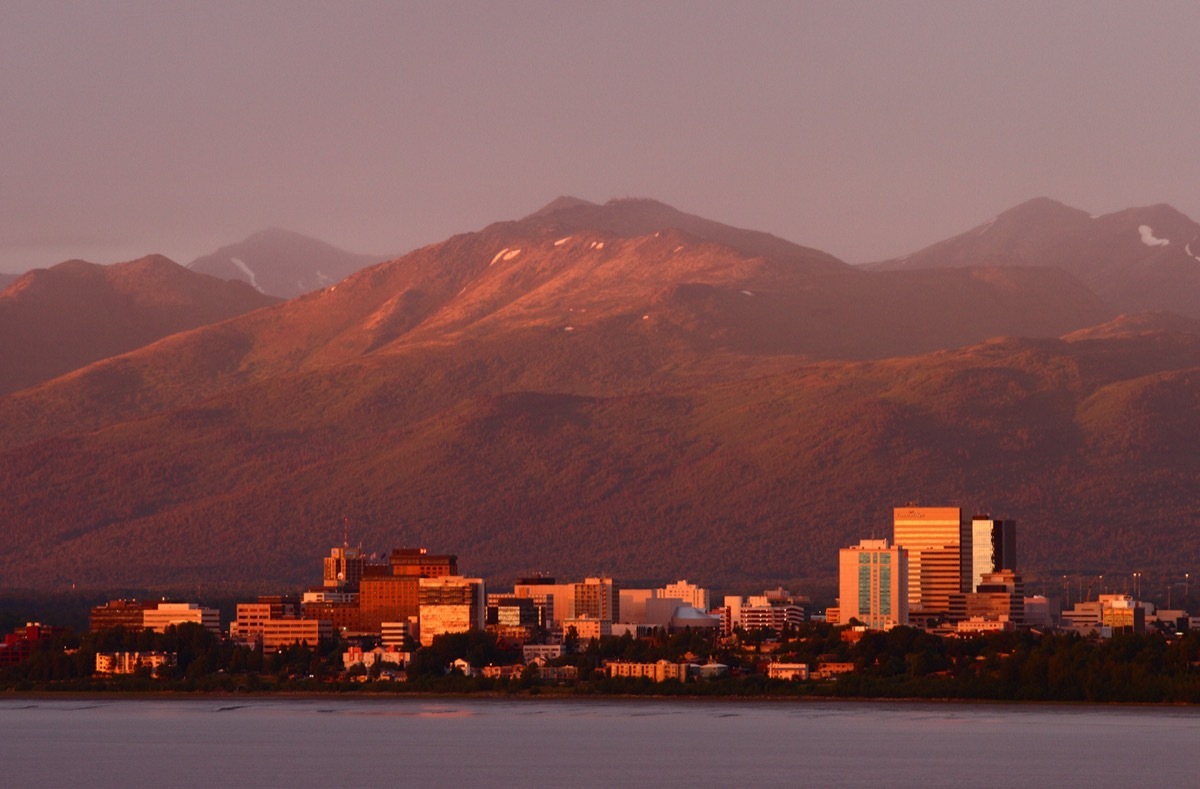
<point>282,263</point>
<point>55,320</point>
<point>1138,259</point>
<point>618,388</point>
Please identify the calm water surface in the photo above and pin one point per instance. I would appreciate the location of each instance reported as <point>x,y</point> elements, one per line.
<point>484,742</point>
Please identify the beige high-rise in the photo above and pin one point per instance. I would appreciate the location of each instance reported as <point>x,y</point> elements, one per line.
<point>873,585</point>
<point>933,537</point>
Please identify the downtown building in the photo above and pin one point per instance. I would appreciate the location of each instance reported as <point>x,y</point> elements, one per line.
<point>450,604</point>
<point>873,582</point>
<point>937,542</point>
<point>992,548</point>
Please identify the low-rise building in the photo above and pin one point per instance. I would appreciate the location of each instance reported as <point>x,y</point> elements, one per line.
<point>164,615</point>
<point>129,614</point>
<point>20,643</point>
<point>981,624</point>
<point>247,627</point>
<point>557,673</point>
<point>587,628</point>
<point>790,672</point>
<point>121,663</point>
<point>661,671</point>
<point>1109,611</point>
<point>503,672</point>
<point>357,656</point>
<point>830,670</point>
<point>280,633</point>
<point>531,652</point>
<point>399,635</point>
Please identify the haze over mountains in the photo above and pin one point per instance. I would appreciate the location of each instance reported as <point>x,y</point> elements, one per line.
<point>56,320</point>
<point>622,388</point>
<point>1137,259</point>
<point>281,263</point>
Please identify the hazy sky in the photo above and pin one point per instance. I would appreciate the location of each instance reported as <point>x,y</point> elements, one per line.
<point>864,129</point>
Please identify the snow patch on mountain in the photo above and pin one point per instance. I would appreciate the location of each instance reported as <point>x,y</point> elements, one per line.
<point>987,226</point>
<point>504,254</point>
<point>1148,238</point>
<point>562,241</point>
<point>1187,248</point>
<point>242,267</point>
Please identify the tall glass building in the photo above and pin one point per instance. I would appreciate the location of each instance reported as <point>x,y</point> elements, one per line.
<point>993,549</point>
<point>873,584</point>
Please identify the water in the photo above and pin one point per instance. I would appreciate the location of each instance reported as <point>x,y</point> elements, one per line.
<point>589,743</point>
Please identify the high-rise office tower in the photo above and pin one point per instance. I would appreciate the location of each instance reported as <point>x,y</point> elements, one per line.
<point>873,584</point>
<point>598,598</point>
<point>450,604</point>
<point>993,548</point>
<point>344,568</point>
<point>938,545</point>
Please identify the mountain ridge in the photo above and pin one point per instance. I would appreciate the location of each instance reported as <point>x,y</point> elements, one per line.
<point>62,318</point>
<point>1137,259</point>
<point>591,388</point>
<point>282,263</point>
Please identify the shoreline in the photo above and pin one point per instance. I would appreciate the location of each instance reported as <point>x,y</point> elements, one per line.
<point>491,696</point>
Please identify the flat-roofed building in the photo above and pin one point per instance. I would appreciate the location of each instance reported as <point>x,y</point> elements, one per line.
<point>513,619</point>
<point>166,615</point>
<point>450,604</point>
<point>787,671</point>
<point>873,585</point>
<point>343,568</point>
<point>121,663</point>
<point>1110,610</point>
<point>129,614</point>
<point>531,652</point>
<point>1040,611</point>
<point>981,624</point>
<point>421,563</point>
<point>399,635</point>
<point>345,618</point>
<point>556,600</point>
<point>938,545</point>
<point>21,642</point>
<point>661,671</point>
<point>598,598</point>
<point>998,596</point>
<point>280,633</point>
<point>775,609</point>
<point>691,594</point>
<point>1122,612</point>
<point>993,548</point>
<point>587,628</point>
<point>633,604</point>
<point>246,628</point>
<point>387,598</point>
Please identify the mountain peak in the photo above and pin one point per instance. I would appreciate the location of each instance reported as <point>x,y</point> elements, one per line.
<point>1136,259</point>
<point>1043,209</point>
<point>561,203</point>
<point>282,262</point>
<point>631,217</point>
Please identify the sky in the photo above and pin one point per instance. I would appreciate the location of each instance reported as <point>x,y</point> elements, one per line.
<point>865,129</point>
